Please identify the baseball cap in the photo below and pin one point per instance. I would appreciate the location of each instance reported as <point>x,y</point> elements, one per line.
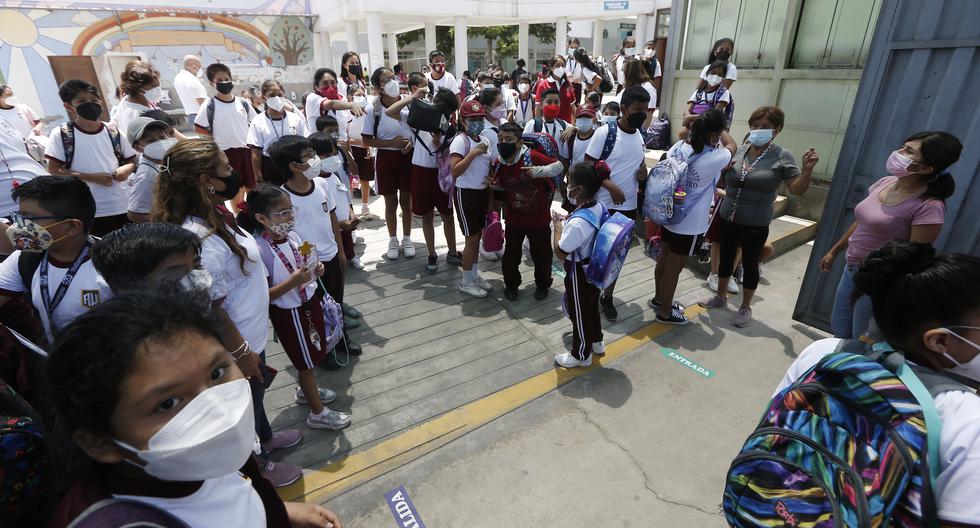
<point>139,125</point>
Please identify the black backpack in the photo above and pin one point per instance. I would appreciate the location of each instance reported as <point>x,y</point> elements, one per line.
<point>68,143</point>
<point>245,105</point>
<point>424,116</point>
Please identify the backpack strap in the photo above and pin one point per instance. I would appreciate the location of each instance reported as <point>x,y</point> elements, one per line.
<point>118,513</point>
<point>265,253</point>
<point>538,124</point>
<point>116,139</point>
<point>611,135</point>
<point>426,147</point>
<point>245,105</point>
<point>377,114</point>
<point>211,115</point>
<point>27,264</point>
<point>68,142</point>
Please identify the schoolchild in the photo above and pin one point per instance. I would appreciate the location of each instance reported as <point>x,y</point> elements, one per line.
<point>334,162</point>
<point>152,138</point>
<point>273,123</point>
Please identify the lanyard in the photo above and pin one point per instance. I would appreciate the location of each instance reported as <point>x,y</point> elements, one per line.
<point>50,305</point>
<point>741,181</point>
<point>524,105</point>
<point>285,261</point>
<point>282,126</point>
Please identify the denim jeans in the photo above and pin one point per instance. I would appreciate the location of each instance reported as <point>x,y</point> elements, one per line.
<point>849,320</point>
<point>262,426</point>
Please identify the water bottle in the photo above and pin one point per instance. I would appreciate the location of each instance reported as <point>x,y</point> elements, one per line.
<point>679,196</point>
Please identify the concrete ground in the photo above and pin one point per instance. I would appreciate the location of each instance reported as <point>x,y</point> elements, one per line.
<point>642,441</point>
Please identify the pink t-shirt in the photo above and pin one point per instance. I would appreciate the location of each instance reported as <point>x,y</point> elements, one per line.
<point>879,224</point>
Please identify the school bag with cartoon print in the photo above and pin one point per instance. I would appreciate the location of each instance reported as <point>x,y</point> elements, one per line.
<point>672,187</point>
<point>24,460</point>
<point>444,172</point>
<point>853,442</point>
<point>522,190</point>
<point>614,233</point>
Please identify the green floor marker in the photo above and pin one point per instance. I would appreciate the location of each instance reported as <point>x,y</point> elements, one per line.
<point>673,354</point>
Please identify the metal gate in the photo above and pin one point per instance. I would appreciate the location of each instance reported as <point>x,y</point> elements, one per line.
<point>922,73</point>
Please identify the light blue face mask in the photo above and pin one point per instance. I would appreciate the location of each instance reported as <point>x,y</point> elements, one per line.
<point>584,123</point>
<point>607,119</point>
<point>761,136</point>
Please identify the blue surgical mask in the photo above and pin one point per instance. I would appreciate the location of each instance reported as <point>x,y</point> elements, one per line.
<point>761,136</point>
<point>474,127</point>
<point>584,123</point>
<point>608,119</point>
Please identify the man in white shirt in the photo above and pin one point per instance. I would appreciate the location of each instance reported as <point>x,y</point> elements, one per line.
<point>190,90</point>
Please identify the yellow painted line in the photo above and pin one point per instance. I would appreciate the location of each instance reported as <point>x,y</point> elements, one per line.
<point>335,477</point>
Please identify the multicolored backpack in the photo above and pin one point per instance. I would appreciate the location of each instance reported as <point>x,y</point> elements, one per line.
<point>853,442</point>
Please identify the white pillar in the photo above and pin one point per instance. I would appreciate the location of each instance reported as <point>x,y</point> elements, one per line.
<point>561,36</point>
<point>376,54</point>
<point>392,49</point>
<point>430,40</point>
<point>323,49</point>
<point>352,37</point>
<point>462,53</point>
<point>597,38</point>
<point>523,51</point>
<point>640,33</point>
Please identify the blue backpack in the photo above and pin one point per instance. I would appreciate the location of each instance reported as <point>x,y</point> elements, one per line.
<point>612,244</point>
<point>672,188</point>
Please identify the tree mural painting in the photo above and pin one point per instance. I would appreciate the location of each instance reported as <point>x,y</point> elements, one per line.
<point>290,42</point>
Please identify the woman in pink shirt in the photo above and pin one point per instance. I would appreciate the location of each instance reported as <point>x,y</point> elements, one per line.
<point>907,205</point>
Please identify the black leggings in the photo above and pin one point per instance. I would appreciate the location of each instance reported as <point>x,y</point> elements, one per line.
<point>751,239</point>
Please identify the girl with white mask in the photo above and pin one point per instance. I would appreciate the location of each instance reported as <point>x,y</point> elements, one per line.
<point>154,410</point>
<point>279,119</point>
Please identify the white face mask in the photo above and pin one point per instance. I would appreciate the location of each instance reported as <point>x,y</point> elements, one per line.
<point>584,123</point>
<point>276,103</point>
<point>970,369</point>
<point>391,88</point>
<point>12,101</point>
<point>487,85</point>
<point>629,52</point>
<point>331,164</point>
<point>523,87</point>
<point>714,80</point>
<point>198,280</point>
<point>154,95</point>
<point>314,169</point>
<point>212,436</point>
<point>498,113</point>
<point>158,149</point>
<point>649,53</point>
<point>558,72</point>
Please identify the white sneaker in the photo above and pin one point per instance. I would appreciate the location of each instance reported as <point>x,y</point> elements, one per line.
<point>500,254</point>
<point>567,360</point>
<point>408,249</point>
<point>599,348</point>
<point>732,287</point>
<point>393,249</point>
<point>483,284</point>
<point>713,282</point>
<point>487,255</point>
<point>472,289</point>
<point>333,420</point>
<point>356,263</point>
<point>326,396</point>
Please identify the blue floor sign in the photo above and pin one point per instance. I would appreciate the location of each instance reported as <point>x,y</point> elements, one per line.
<point>673,354</point>
<point>402,508</point>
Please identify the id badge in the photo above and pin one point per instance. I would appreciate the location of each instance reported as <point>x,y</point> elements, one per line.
<point>314,335</point>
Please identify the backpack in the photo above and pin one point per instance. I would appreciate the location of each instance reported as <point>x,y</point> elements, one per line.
<point>122,513</point>
<point>493,234</point>
<point>447,183</point>
<point>424,116</point>
<point>854,440</point>
<point>606,84</point>
<point>68,143</point>
<point>245,106</point>
<point>24,459</point>
<point>522,192</point>
<point>539,127</point>
<point>612,243</point>
<point>672,176</point>
<point>700,106</point>
<point>658,134</point>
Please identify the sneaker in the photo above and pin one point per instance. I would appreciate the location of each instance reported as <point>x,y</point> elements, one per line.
<point>350,311</point>
<point>282,440</point>
<point>656,305</point>
<point>351,323</point>
<point>715,301</point>
<point>353,348</point>
<point>432,264</point>
<point>356,193</point>
<point>367,216</point>
<point>567,360</point>
<point>328,419</point>
<point>713,282</point>
<point>510,294</point>
<point>743,317</point>
<point>500,254</point>
<point>608,309</point>
<point>676,318</point>
<point>487,255</point>
<point>454,259</point>
<point>408,249</point>
<point>393,247</point>
<point>599,348</point>
<point>472,289</point>
<point>541,293</point>
<point>527,244</point>
<point>326,396</point>
<point>738,274</point>
<point>732,287</point>
<point>483,284</point>
<point>356,263</point>
<point>281,474</point>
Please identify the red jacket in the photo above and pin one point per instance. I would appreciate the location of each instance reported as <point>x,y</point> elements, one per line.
<point>528,202</point>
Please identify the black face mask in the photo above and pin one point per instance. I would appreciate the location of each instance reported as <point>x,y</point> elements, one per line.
<point>224,87</point>
<point>90,111</point>
<point>498,82</point>
<point>506,150</point>
<point>722,55</point>
<point>233,184</point>
<point>636,119</point>
<point>355,69</point>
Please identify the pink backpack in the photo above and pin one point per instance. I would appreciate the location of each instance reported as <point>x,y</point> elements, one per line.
<point>493,234</point>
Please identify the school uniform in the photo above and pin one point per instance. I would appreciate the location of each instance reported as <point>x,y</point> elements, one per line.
<point>21,117</point>
<point>338,184</point>
<point>527,214</point>
<point>627,155</point>
<point>94,153</point>
<point>313,225</point>
<point>471,195</point>
<point>566,94</point>
<point>142,185</point>
<point>524,109</point>
<point>393,167</point>
<point>126,111</point>
<point>685,237</point>
<point>16,165</point>
<point>426,193</point>
<point>265,130</point>
<point>581,296</point>
<point>230,132</point>
<point>447,81</point>
<point>297,315</point>
<point>85,289</point>
<point>553,129</point>
<point>577,147</point>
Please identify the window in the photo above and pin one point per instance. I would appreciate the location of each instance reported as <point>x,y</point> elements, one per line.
<point>754,25</point>
<point>663,23</point>
<point>834,33</point>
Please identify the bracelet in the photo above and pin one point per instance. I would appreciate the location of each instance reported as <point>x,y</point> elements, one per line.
<point>241,351</point>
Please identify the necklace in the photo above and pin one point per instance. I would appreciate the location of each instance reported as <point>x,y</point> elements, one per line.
<point>741,181</point>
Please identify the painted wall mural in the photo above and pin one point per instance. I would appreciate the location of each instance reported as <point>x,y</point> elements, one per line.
<point>257,7</point>
<point>256,47</point>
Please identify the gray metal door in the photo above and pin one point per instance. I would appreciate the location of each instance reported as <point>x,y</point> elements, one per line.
<point>922,73</point>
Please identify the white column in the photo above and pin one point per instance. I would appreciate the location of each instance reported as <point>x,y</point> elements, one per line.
<point>352,37</point>
<point>640,33</point>
<point>561,36</point>
<point>523,50</point>
<point>323,49</point>
<point>376,54</point>
<point>597,38</point>
<point>430,39</point>
<point>462,53</point>
<point>392,49</point>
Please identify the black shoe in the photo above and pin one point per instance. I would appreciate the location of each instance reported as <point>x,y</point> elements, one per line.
<point>432,265</point>
<point>656,306</point>
<point>353,348</point>
<point>373,192</point>
<point>606,303</point>
<point>541,293</point>
<point>350,322</point>
<point>356,193</point>
<point>510,294</point>
<point>454,259</point>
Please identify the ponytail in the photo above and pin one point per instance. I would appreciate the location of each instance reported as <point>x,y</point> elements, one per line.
<point>708,122</point>
<point>589,175</point>
<point>939,150</point>
<point>258,201</point>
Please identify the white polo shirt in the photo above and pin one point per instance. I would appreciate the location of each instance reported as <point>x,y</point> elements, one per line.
<point>264,130</point>
<point>626,157</point>
<point>388,128</point>
<point>476,175</point>
<point>448,81</point>
<point>94,154</point>
<point>313,223</point>
<point>231,121</point>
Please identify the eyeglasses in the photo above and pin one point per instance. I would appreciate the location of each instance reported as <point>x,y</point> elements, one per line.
<point>19,218</point>
<point>285,213</point>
